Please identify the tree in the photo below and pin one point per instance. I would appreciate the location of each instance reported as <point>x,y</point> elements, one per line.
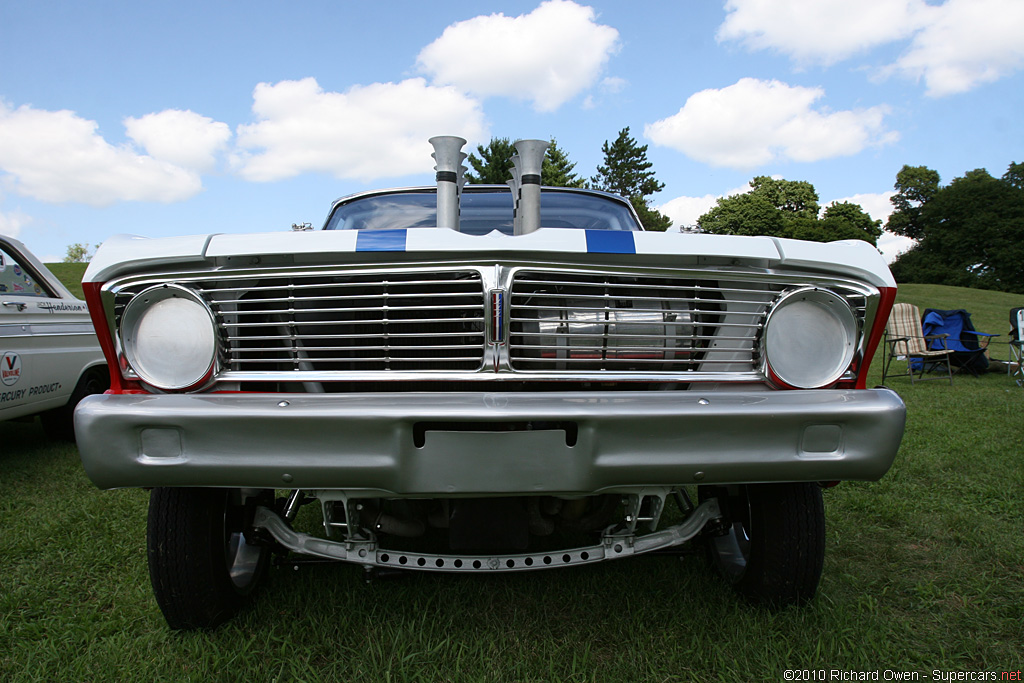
<point>627,172</point>
<point>1015,175</point>
<point>788,208</point>
<point>970,234</point>
<point>78,253</point>
<point>915,186</point>
<point>848,221</point>
<point>558,170</point>
<point>796,197</point>
<point>494,162</point>
<point>743,214</point>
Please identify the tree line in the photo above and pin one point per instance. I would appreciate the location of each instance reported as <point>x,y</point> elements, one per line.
<point>969,233</point>
<point>781,208</point>
<point>788,208</point>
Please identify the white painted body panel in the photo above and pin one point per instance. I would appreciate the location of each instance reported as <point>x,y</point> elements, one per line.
<point>46,342</point>
<point>852,258</point>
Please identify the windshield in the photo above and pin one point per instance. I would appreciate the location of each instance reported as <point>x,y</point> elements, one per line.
<point>480,212</point>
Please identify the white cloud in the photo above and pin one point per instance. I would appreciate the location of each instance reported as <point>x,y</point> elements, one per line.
<point>57,156</point>
<point>877,205</point>
<point>754,122</point>
<point>613,85</point>
<point>892,245</point>
<point>819,31</point>
<point>608,88</point>
<point>183,138</point>
<point>965,43</point>
<point>684,211</point>
<point>12,223</point>
<point>953,46</point>
<point>547,56</point>
<point>368,132</point>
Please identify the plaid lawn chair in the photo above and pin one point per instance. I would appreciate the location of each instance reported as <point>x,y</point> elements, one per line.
<point>905,341</point>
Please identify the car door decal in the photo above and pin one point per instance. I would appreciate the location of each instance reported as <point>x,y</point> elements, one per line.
<point>10,369</point>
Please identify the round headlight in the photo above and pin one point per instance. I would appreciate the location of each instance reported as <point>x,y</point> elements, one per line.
<point>810,338</point>
<point>168,337</point>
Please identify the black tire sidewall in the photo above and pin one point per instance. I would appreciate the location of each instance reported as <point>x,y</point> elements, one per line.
<point>786,529</point>
<point>186,547</point>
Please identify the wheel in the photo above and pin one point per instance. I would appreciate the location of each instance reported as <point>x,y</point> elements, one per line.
<point>773,546</point>
<point>201,566</point>
<point>59,423</point>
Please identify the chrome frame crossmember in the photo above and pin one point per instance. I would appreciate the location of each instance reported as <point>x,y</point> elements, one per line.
<point>367,553</point>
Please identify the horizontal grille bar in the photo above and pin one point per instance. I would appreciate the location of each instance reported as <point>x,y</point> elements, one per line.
<point>363,320</point>
<point>379,358</point>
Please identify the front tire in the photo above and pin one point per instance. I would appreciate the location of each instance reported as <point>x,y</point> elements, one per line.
<point>202,568</point>
<point>773,548</point>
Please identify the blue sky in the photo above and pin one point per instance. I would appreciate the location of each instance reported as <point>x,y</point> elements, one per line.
<point>181,118</point>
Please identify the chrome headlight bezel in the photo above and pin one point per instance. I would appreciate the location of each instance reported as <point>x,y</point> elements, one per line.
<point>180,352</point>
<point>810,338</point>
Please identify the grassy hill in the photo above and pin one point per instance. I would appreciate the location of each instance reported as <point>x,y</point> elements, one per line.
<point>70,274</point>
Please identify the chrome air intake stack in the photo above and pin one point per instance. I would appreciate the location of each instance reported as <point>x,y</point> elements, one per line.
<point>525,184</point>
<point>450,178</point>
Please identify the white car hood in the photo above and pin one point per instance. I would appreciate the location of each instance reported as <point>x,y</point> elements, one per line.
<point>852,258</point>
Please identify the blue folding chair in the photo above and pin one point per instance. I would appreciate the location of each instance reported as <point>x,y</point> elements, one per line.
<point>967,344</point>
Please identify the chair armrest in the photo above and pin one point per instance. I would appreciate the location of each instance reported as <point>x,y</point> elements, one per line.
<point>984,338</point>
<point>937,337</point>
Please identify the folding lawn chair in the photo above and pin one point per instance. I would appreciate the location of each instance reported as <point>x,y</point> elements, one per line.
<point>967,344</point>
<point>905,341</point>
<point>1015,368</point>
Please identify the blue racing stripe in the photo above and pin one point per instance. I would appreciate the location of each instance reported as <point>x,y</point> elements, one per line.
<point>610,242</point>
<point>381,240</point>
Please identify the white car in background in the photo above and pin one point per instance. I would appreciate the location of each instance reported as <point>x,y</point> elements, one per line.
<point>49,354</point>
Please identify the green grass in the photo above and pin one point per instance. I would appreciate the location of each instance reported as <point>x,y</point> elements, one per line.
<point>70,274</point>
<point>924,570</point>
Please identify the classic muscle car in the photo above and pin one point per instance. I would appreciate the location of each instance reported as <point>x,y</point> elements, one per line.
<point>484,379</point>
<point>49,355</point>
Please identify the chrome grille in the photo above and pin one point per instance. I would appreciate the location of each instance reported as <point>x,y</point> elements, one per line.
<point>565,323</point>
<point>391,321</point>
<point>619,322</point>
<point>348,322</point>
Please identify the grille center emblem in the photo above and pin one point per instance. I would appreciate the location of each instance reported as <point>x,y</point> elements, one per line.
<point>497,316</point>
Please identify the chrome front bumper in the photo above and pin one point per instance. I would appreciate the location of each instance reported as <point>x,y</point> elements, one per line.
<point>474,444</point>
